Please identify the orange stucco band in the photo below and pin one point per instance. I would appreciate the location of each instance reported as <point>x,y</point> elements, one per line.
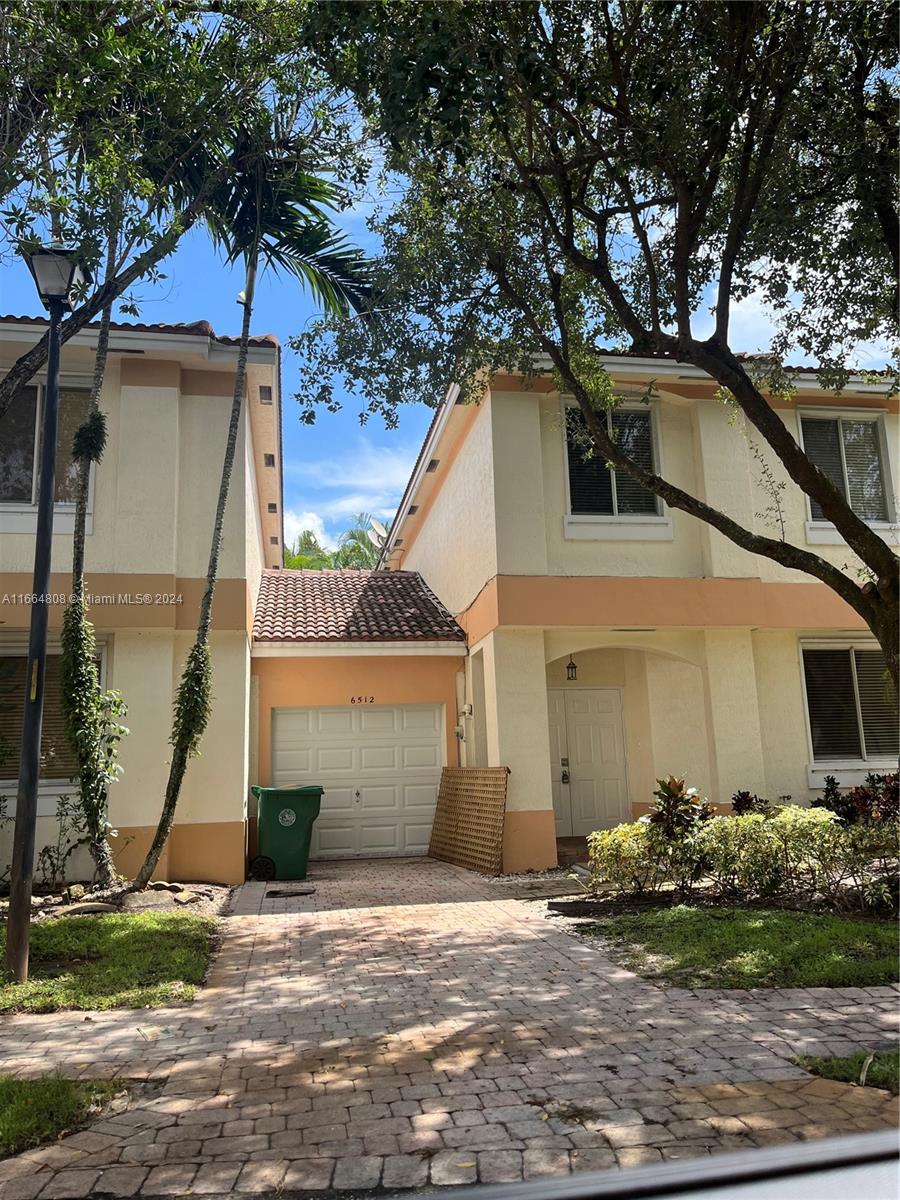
<point>207,852</point>
<point>529,840</point>
<point>552,600</point>
<point>231,605</point>
<point>313,682</point>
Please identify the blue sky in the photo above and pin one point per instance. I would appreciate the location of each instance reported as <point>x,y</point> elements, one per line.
<point>333,469</point>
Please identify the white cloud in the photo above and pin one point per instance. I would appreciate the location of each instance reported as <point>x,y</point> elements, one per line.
<point>325,494</point>
<point>296,522</point>
<point>362,467</point>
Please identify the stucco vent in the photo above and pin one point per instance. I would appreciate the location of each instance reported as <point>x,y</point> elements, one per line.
<point>265,394</point>
<point>269,460</point>
<point>274,541</point>
<point>413,509</point>
<point>433,466</point>
<point>272,507</point>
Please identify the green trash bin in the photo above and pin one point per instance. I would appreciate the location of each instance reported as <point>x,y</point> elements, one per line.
<point>284,831</point>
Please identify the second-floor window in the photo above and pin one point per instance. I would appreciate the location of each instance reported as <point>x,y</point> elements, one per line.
<point>849,452</point>
<point>20,446</point>
<point>594,489</point>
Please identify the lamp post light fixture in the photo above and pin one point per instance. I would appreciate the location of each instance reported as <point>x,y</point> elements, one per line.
<point>57,275</point>
<point>571,669</point>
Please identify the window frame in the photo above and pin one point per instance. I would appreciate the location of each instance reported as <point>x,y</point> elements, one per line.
<point>49,790</point>
<point>16,516</point>
<point>851,771</point>
<point>644,527</point>
<point>822,532</point>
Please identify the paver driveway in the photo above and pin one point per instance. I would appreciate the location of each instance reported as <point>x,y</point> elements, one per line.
<point>408,1024</point>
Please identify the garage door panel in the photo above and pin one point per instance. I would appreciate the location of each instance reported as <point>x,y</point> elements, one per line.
<point>295,760</point>
<point>339,799</point>
<point>331,837</point>
<point>420,720</point>
<point>380,767</point>
<point>335,720</point>
<point>378,758</point>
<point>418,798</point>
<point>335,758</point>
<point>385,797</point>
<point>416,838</point>
<point>379,720</point>
<point>379,837</point>
<point>418,757</point>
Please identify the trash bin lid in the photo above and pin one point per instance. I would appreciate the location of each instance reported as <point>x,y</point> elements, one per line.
<point>313,789</point>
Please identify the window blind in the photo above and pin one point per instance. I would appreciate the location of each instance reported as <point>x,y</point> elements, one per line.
<point>57,760</point>
<point>833,719</point>
<point>593,488</point>
<point>837,445</point>
<point>878,704</point>
<point>851,703</point>
<point>17,448</point>
<point>862,454</point>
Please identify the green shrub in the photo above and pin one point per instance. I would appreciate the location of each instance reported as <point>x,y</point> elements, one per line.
<point>628,858</point>
<point>742,857</point>
<point>793,855</point>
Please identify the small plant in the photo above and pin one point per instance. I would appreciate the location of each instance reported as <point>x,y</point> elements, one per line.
<point>744,803</point>
<point>875,802</point>
<point>71,832</point>
<point>678,809</point>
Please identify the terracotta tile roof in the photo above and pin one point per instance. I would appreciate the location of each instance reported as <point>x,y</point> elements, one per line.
<point>350,606</point>
<point>192,328</point>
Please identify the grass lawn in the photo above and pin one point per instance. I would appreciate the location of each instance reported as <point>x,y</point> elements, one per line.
<point>883,1072</point>
<point>34,1111</point>
<point>743,948</point>
<point>140,960</point>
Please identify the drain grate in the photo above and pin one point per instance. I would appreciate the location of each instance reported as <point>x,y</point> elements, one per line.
<point>286,893</point>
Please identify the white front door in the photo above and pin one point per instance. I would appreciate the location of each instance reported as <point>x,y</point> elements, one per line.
<point>587,760</point>
<point>380,767</point>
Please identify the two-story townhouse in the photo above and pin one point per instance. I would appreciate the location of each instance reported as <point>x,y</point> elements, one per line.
<point>344,678</point>
<point>613,641</point>
<point>167,396</point>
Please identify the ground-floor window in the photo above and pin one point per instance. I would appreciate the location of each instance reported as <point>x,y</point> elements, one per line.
<point>57,759</point>
<point>851,704</point>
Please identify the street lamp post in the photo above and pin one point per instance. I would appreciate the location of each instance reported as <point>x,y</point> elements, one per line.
<point>56,274</point>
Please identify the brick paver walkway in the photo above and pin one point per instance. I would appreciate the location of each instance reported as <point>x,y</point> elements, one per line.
<point>404,1026</point>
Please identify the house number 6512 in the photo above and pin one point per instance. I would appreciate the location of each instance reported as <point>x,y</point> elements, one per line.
<point>362,699</point>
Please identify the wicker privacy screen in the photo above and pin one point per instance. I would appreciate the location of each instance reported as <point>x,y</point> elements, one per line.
<point>468,821</point>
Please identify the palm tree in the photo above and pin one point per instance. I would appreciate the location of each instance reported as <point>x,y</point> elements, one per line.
<point>356,547</point>
<point>307,553</point>
<point>273,210</point>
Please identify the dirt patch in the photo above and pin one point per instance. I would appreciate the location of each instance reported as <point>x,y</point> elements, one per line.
<point>200,899</point>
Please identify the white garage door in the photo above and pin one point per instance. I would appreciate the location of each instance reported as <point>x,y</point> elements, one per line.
<point>380,767</point>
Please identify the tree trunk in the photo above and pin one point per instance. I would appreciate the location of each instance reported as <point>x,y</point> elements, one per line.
<point>187,731</point>
<point>79,665</point>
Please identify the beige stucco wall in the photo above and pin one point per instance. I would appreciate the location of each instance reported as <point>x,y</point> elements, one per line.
<point>154,493</point>
<point>704,447</point>
<point>680,556</point>
<point>146,668</point>
<point>455,550</point>
<point>154,497</point>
